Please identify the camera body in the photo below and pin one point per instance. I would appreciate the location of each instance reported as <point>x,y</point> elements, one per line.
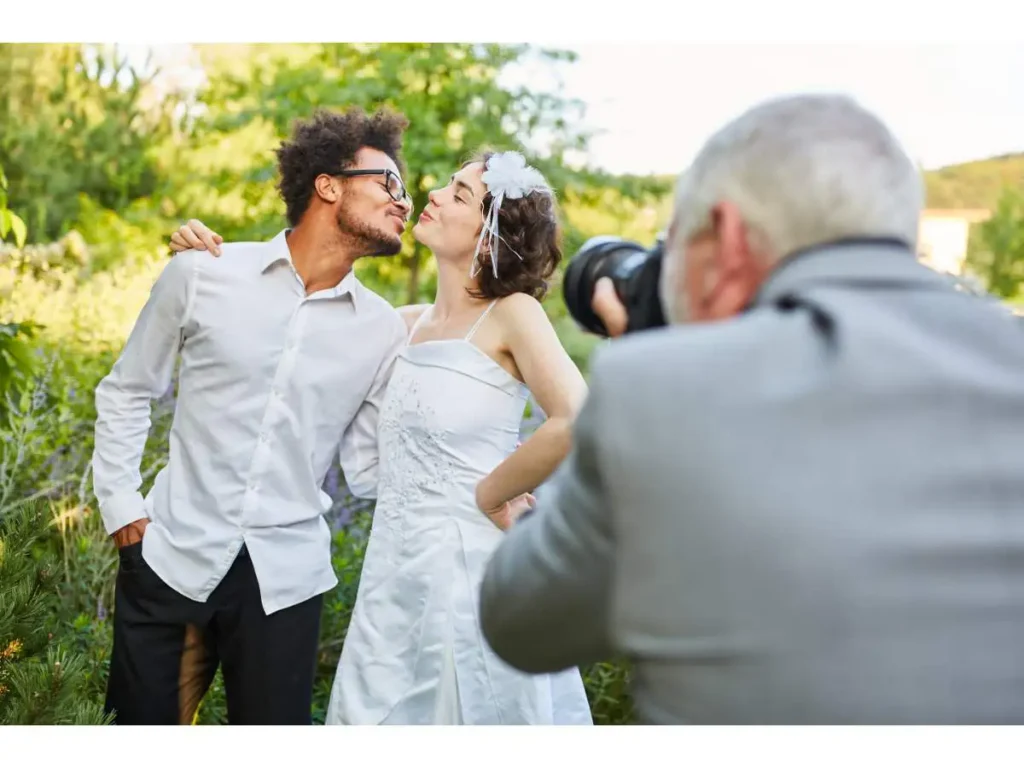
<point>634,270</point>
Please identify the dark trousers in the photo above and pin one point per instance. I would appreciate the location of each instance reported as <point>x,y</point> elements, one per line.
<point>167,649</point>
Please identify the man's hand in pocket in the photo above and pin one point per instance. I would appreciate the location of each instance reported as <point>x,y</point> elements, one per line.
<point>131,533</point>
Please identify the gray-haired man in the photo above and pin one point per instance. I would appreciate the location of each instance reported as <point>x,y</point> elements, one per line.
<point>806,505</point>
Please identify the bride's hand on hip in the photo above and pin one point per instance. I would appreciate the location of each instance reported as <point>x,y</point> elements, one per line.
<point>505,515</point>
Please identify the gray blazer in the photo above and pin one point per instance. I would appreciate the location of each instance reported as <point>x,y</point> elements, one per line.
<point>812,513</point>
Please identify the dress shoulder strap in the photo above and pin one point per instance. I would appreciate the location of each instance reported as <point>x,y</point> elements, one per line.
<point>416,325</point>
<point>480,320</point>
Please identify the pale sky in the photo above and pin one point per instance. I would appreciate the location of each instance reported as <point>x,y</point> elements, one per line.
<point>655,103</point>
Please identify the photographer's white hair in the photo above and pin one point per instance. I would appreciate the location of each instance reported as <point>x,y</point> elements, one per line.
<point>802,171</point>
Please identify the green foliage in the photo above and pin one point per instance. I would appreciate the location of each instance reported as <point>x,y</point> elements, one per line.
<point>44,457</point>
<point>70,254</point>
<point>10,222</point>
<point>42,681</point>
<point>607,684</point>
<point>46,445</point>
<point>996,254</point>
<point>76,122</point>
<point>16,362</point>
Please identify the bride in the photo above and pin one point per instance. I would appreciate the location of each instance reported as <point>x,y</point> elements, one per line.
<point>451,475</point>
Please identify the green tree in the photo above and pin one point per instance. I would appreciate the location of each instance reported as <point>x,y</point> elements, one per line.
<point>997,252</point>
<point>15,353</point>
<point>77,123</point>
<point>10,222</point>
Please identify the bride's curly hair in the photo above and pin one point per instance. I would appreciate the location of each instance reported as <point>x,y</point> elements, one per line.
<point>529,226</point>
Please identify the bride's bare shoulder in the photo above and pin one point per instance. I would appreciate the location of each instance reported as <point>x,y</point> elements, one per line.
<point>520,307</point>
<point>522,320</point>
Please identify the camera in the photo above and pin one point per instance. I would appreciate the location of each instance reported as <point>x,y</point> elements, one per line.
<point>633,269</point>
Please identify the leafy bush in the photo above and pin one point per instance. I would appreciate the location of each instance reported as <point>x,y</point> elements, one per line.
<point>43,679</point>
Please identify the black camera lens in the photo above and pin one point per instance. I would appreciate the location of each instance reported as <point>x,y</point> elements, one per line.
<point>633,269</point>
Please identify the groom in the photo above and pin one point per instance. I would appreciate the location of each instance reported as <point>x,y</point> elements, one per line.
<point>284,360</point>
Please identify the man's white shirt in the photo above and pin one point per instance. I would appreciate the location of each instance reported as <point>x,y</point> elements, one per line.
<point>272,382</point>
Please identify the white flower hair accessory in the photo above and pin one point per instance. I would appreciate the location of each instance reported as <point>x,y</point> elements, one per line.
<point>507,176</point>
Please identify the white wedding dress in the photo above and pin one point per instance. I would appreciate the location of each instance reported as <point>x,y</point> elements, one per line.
<point>414,652</point>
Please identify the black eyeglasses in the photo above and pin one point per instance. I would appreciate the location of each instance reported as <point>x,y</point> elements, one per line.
<point>392,182</point>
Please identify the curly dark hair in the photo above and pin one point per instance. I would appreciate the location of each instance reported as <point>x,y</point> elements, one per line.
<point>529,225</point>
<point>327,143</point>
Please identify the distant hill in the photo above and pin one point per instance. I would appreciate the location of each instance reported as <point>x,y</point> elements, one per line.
<point>977,184</point>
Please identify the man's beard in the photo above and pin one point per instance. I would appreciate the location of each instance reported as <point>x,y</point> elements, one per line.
<point>366,239</point>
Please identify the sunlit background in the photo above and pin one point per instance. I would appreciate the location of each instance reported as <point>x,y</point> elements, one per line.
<point>106,149</point>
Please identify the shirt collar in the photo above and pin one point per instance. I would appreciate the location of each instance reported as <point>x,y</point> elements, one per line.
<point>277,250</point>
<point>350,285</point>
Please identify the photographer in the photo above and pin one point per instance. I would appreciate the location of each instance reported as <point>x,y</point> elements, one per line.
<point>807,504</point>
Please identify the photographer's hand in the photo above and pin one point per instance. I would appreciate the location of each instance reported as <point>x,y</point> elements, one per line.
<point>606,305</point>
